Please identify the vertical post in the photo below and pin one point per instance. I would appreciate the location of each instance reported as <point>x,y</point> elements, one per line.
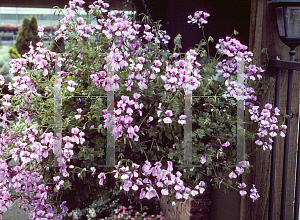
<point>297,190</point>
<point>240,113</point>
<point>287,138</point>
<point>57,150</point>
<point>110,151</point>
<point>273,157</point>
<point>188,151</point>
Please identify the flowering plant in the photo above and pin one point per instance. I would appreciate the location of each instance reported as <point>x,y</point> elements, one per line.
<point>149,84</point>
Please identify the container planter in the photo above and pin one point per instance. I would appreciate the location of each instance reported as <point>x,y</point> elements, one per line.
<point>196,208</point>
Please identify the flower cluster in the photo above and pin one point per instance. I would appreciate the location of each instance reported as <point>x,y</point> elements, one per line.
<point>122,124</point>
<point>71,87</point>
<point>126,213</point>
<point>235,89</point>
<point>141,76</point>
<point>253,195</point>
<point>267,121</point>
<point>199,18</point>
<point>107,82</point>
<point>237,51</point>
<point>178,76</point>
<point>267,125</point>
<point>155,181</point>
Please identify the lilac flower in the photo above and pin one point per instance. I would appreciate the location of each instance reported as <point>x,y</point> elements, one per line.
<point>239,170</point>
<point>225,144</point>
<point>149,119</point>
<point>135,187</point>
<point>254,193</point>
<point>93,169</point>
<point>80,20</point>
<point>244,164</point>
<point>165,192</point>
<point>147,27</point>
<point>203,159</point>
<point>178,195</point>
<point>232,175</point>
<point>181,119</point>
<point>151,193</point>
<point>2,80</point>
<point>199,18</point>
<point>169,113</point>
<point>167,120</point>
<point>102,177</point>
<point>71,83</point>
<point>242,191</point>
<point>41,31</point>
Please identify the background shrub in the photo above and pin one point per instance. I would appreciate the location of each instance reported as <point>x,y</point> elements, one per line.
<point>27,32</point>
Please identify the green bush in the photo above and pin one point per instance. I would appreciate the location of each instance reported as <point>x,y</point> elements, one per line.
<point>4,64</point>
<point>13,53</point>
<point>27,32</point>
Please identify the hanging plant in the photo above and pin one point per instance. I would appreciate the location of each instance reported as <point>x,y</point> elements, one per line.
<point>150,85</point>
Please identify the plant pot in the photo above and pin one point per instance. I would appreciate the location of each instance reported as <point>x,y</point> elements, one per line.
<point>196,208</point>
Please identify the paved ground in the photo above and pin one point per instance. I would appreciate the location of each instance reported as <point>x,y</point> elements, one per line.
<point>15,213</point>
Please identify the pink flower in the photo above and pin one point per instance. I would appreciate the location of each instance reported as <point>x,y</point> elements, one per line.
<point>102,177</point>
<point>203,159</point>
<point>147,27</point>
<point>194,192</point>
<point>169,113</point>
<point>165,192</point>
<point>232,175</point>
<point>75,131</point>
<point>150,119</point>
<point>225,144</point>
<point>244,164</point>
<point>167,120</point>
<point>41,31</point>
<point>243,192</point>
<point>254,193</point>
<point>268,106</point>
<point>199,18</point>
<point>80,20</point>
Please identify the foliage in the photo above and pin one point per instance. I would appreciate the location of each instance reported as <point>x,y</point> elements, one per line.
<point>27,33</point>
<point>13,53</point>
<point>4,64</point>
<point>59,45</point>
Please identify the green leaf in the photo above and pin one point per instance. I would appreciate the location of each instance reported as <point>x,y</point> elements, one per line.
<point>67,185</point>
<point>168,135</point>
<point>264,51</point>
<point>200,133</point>
<point>235,32</point>
<point>210,39</point>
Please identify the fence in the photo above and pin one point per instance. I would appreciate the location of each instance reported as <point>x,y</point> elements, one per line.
<point>277,66</point>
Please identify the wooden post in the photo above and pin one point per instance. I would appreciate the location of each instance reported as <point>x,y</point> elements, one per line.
<point>263,34</point>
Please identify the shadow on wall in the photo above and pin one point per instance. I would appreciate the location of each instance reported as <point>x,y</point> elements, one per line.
<point>225,16</point>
